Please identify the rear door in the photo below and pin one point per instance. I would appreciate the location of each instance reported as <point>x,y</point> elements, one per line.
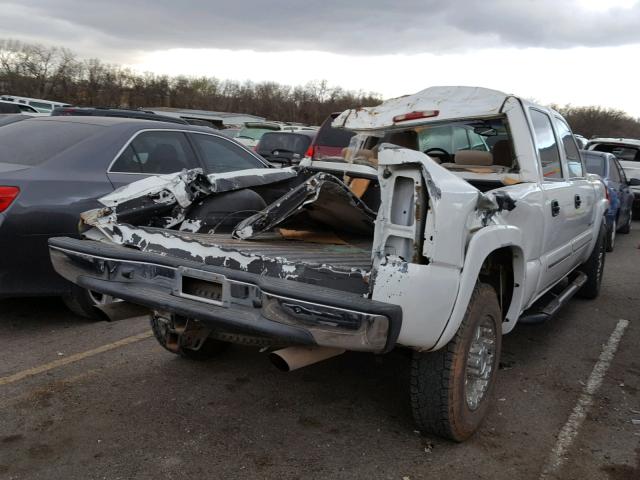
<point>582,221</point>
<point>152,152</point>
<point>560,225</point>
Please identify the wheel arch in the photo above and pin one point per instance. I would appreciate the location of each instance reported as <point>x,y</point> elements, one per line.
<point>495,256</point>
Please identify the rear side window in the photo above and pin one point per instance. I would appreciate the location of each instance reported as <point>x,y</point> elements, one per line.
<point>32,142</point>
<point>574,162</point>
<point>220,155</point>
<point>10,108</point>
<point>157,152</point>
<point>546,145</point>
<point>595,164</point>
<point>613,171</point>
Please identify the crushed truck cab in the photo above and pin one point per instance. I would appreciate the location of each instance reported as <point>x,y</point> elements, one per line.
<point>454,214</point>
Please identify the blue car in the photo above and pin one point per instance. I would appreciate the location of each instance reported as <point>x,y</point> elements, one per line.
<point>620,195</point>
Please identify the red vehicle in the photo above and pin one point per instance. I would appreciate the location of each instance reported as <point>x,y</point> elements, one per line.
<point>329,141</point>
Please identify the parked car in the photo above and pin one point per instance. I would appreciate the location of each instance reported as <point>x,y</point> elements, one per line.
<point>41,106</point>
<point>54,168</point>
<point>395,250</point>
<point>230,132</point>
<point>581,141</point>
<point>115,112</point>
<point>619,215</point>
<point>628,152</point>
<point>285,148</point>
<point>330,142</point>
<point>12,107</point>
<point>251,133</point>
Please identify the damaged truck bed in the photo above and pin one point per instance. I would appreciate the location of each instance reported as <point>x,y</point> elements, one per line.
<point>453,214</point>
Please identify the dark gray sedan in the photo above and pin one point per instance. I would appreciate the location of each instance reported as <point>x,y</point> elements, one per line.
<point>54,168</point>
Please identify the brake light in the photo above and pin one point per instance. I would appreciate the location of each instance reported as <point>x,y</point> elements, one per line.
<point>7,196</point>
<point>416,115</point>
<point>311,151</point>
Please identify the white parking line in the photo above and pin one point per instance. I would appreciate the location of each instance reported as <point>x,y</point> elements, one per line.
<point>570,429</point>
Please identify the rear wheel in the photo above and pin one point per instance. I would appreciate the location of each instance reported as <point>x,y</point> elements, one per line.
<point>593,268</point>
<point>173,340</point>
<point>84,303</point>
<point>611,237</point>
<point>452,387</point>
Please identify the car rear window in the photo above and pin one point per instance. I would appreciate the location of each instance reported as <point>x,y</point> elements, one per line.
<point>594,163</point>
<point>329,136</point>
<point>33,142</point>
<point>288,142</point>
<point>628,154</point>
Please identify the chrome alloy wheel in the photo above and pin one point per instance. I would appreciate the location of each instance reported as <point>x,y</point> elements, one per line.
<point>480,360</point>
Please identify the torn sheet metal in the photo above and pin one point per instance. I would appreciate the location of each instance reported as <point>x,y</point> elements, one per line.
<point>324,198</point>
<point>449,102</point>
<point>453,205</point>
<point>163,200</point>
<point>253,177</point>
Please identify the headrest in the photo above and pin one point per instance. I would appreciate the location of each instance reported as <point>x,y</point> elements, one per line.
<point>473,157</point>
<point>406,139</point>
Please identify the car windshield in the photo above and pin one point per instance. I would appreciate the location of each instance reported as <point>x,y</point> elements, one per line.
<point>32,142</point>
<point>271,143</point>
<point>595,163</point>
<point>442,141</point>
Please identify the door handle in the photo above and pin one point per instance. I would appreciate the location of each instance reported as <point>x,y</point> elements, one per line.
<point>555,208</point>
<point>577,201</point>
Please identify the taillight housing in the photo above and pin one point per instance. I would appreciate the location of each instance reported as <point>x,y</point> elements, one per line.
<point>7,196</point>
<point>311,151</point>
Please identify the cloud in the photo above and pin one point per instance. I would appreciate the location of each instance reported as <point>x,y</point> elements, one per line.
<point>362,27</point>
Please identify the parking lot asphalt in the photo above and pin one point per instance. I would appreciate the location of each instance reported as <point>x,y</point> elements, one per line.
<point>99,400</point>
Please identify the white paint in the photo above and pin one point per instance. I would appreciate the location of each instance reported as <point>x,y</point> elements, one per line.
<point>450,102</point>
<point>175,183</point>
<point>570,430</point>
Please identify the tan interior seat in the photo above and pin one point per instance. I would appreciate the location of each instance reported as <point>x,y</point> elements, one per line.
<point>474,161</point>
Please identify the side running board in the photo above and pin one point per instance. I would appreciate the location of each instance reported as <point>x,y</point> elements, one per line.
<point>539,315</point>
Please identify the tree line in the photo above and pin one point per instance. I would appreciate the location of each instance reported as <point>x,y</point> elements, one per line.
<point>55,73</point>
<point>597,121</point>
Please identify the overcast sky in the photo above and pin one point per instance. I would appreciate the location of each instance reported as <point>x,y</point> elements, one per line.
<point>564,51</point>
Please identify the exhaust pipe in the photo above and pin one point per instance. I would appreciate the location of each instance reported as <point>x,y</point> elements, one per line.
<point>292,358</point>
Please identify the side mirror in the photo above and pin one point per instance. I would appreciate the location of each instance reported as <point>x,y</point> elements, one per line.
<point>634,182</point>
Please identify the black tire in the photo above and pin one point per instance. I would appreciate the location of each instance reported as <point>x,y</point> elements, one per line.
<point>635,213</point>
<point>438,387</point>
<point>81,302</point>
<point>611,236</point>
<point>209,349</point>
<point>626,228</point>
<point>593,268</point>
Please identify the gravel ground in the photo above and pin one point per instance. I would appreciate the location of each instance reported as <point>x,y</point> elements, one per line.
<point>79,402</point>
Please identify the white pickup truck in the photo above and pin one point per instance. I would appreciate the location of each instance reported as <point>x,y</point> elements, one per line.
<point>454,214</point>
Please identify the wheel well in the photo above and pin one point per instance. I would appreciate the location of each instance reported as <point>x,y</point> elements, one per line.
<point>497,271</point>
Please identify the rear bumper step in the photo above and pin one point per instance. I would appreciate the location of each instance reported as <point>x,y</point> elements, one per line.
<point>230,301</point>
